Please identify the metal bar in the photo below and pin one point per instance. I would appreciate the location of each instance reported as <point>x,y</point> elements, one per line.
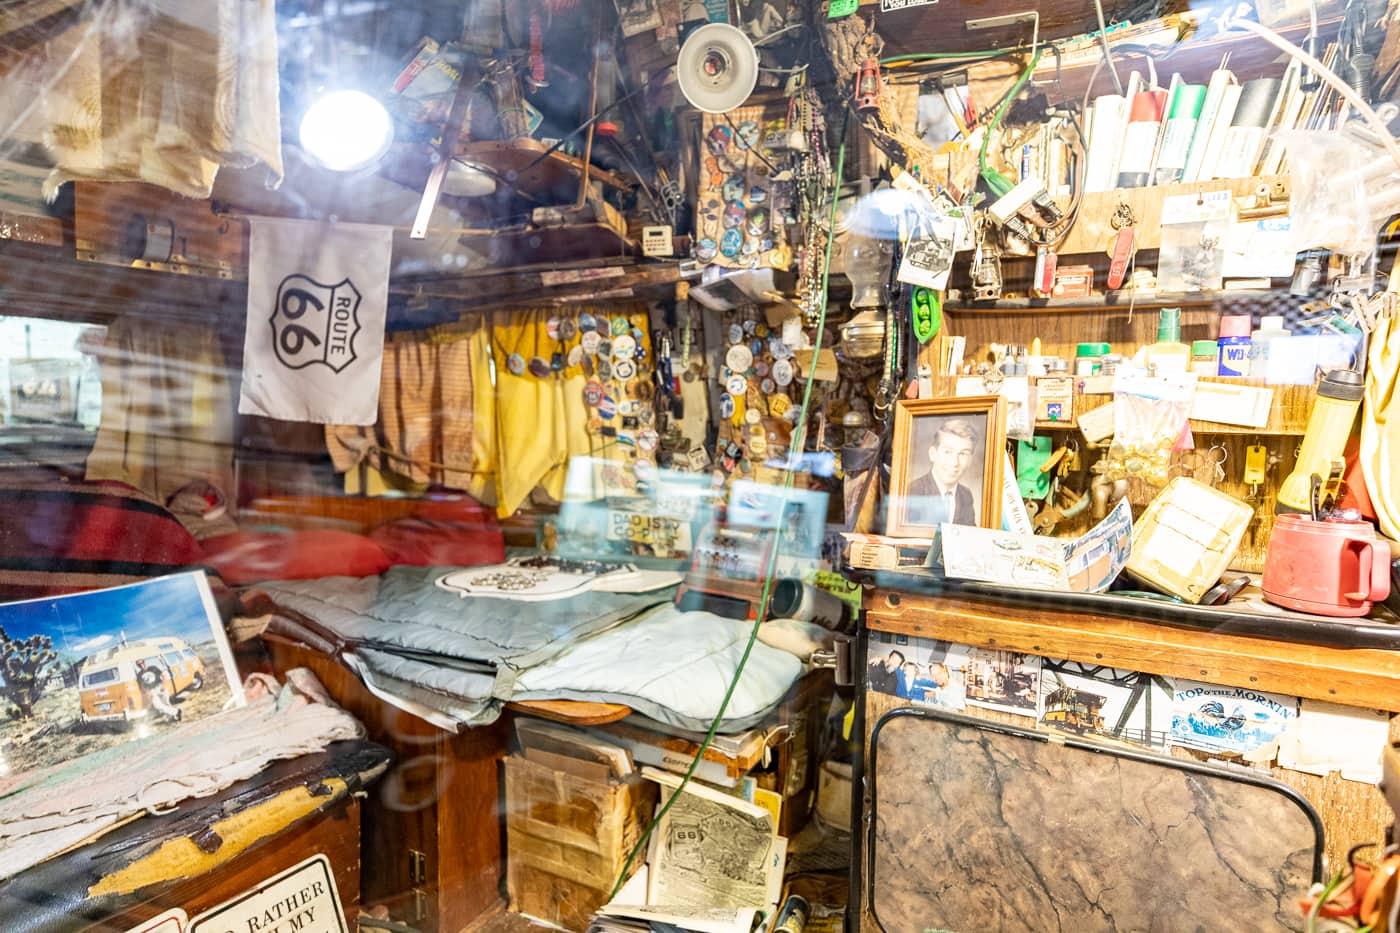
<point>456,116</point>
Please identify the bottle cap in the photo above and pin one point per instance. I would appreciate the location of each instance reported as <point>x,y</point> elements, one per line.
<point>1345,384</point>
<point>1091,349</point>
<point>1204,348</point>
<point>1234,325</point>
<point>1169,325</point>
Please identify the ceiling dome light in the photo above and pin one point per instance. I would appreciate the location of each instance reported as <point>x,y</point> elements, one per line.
<point>346,130</point>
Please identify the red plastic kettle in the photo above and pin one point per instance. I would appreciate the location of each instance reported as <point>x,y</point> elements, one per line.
<point>1333,568</point>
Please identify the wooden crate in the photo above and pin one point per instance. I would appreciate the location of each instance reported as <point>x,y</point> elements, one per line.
<point>567,838</point>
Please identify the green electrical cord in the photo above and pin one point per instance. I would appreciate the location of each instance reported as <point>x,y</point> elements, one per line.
<point>996,181</point>
<point>772,556</point>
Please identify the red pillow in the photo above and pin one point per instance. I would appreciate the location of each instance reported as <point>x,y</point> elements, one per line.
<point>423,542</point>
<point>254,556</point>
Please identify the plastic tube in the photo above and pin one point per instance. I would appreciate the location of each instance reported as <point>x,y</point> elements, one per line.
<point>1322,71</point>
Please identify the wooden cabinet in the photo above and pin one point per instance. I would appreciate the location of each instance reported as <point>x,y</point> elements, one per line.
<point>433,849</point>
<point>1234,652</point>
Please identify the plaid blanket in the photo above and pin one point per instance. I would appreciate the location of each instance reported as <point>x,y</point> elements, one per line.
<point>66,537</point>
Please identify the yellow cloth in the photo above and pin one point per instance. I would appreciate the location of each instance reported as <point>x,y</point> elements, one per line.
<point>165,97</point>
<point>436,417</point>
<point>1380,425</point>
<point>530,428</point>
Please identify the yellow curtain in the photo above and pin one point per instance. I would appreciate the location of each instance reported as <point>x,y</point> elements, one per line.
<point>167,409</point>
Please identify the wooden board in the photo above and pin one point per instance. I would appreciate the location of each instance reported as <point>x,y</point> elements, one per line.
<point>1365,678</point>
<point>145,227</point>
<point>552,180</point>
<point>573,712</point>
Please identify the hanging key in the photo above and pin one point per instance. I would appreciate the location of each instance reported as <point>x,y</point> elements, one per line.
<point>1256,464</point>
<point>1121,244</point>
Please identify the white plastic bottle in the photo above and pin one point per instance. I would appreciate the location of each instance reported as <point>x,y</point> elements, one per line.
<point>1270,328</point>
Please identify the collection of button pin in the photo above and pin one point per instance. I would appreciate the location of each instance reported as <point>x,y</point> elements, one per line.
<point>756,373</point>
<point>737,212</point>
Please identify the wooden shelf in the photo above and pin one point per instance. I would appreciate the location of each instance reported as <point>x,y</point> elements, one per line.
<point>1364,677</point>
<point>1288,413</point>
<point>1122,299</point>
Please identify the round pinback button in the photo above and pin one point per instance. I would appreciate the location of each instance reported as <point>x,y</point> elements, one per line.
<point>737,385</point>
<point>620,325</point>
<point>778,404</point>
<point>736,333</point>
<point>760,368</point>
<point>593,394</point>
<point>551,327</point>
<point>726,405</point>
<point>538,366</point>
<point>739,358</point>
<point>516,364</point>
<point>782,372</point>
<point>768,386</point>
<point>575,355</point>
<point>624,369</point>
<point>647,439</point>
<point>752,416</point>
<point>589,341</point>
<point>606,407</point>
<point>587,322</point>
<point>604,369</point>
<point>567,329</point>
<point>623,347</point>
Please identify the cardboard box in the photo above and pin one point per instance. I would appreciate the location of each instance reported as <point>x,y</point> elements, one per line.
<point>1187,538</point>
<point>565,831</point>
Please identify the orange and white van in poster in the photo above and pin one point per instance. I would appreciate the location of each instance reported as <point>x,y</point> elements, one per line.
<point>115,684</point>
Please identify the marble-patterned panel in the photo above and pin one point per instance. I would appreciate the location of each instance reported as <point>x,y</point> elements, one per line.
<point>981,830</point>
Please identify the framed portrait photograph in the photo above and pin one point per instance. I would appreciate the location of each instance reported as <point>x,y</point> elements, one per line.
<point>946,464</point>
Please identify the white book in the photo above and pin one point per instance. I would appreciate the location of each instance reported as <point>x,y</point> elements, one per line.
<point>1215,95</point>
<point>1219,131</point>
<point>1290,105</point>
<point>1172,88</point>
<point>1105,143</point>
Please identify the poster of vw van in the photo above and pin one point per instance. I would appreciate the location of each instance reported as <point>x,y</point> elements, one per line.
<point>82,672</point>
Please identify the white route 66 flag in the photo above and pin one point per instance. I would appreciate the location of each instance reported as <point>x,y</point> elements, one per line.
<point>317,294</point>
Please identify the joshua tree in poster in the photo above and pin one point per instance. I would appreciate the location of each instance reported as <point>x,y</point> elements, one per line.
<point>24,670</point>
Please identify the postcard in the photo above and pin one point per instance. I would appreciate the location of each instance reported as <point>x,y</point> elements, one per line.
<point>1002,680</point>
<point>925,671</point>
<point>1228,720</point>
<point>86,671</point>
<point>1089,699</point>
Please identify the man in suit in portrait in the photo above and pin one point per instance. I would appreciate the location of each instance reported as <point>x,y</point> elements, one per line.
<point>937,496</point>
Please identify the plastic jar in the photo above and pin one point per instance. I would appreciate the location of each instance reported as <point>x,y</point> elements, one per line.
<point>1088,358</point>
<point>1204,357</point>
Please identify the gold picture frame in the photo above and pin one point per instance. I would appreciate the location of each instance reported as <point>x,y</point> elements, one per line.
<point>933,436</point>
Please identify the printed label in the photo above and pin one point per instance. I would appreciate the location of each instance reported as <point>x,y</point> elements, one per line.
<point>302,899</point>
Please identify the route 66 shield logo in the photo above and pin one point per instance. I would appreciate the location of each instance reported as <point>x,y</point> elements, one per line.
<point>315,323</point>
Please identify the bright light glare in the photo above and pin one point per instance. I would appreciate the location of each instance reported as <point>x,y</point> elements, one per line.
<point>346,130</point>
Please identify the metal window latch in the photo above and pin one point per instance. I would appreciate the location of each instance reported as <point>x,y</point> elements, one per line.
<point>838,659</point>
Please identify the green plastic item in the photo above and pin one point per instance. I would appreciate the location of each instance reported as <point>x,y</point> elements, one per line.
<point>840,8</point>
<point>928,314</point>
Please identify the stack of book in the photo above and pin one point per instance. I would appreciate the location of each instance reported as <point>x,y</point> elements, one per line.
<point>1197,132</point>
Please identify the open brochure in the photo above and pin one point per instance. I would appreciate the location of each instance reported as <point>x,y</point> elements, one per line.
<point>1087,564</point>
<point>712,850</point>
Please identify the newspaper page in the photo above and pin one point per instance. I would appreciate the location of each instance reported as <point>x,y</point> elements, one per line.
<point>711,850</point>
<point>1087,564</point>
